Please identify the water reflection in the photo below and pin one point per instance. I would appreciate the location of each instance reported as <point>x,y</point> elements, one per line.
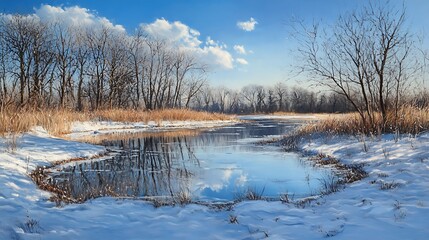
<point>216,164</point>
<point>151,166</point>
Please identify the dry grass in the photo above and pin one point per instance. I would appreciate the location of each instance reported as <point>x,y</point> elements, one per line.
<point>11,122</point>
<point>121,115</point>
<point>97,139</point>
<point>254,194</point>
<point>58,122</point>
<point>330,184</point>
<point>409,120</point>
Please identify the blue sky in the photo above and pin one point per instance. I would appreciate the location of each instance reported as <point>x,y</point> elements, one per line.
<point>267,46</point>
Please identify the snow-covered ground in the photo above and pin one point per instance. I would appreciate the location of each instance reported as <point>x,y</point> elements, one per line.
<point>392,203</point>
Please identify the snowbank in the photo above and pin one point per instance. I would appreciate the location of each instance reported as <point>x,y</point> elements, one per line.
<point>392,203</point>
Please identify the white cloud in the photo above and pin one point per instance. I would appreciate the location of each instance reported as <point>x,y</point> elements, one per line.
<point>75,16</point>
<point>182,36</point>
<point>240,49</point>
<point>217,55</point>
<point>174,32</point>
<point>241,61</point>
<point>247,26</point>
<point>210,42</point>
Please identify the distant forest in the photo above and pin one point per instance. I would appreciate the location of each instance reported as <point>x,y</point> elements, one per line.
<point>46,65</point>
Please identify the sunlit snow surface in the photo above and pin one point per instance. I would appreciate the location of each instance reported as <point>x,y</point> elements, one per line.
<point>361,211</point>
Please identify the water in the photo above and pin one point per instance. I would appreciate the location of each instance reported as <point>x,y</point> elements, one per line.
<point>213,165</point>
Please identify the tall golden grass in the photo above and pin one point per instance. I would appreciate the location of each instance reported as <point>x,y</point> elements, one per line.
<point>55,122</point>
<point>122,115</point>
<point>127,135</point>
<point>58,122</point>
<point>408,119</point>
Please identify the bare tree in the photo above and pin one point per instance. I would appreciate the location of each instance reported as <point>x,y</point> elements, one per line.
<point>207,96</point>
<point>157,73</point>
<point>271,101</point>
<point>4,91</point>
<point>66,63</point>
<point>281,94</point>
<point>118,70</point>
<point>16,33</point>
<point>249,93</point>
<point>221,97</point>
<point>260,98</point>
<point>42,61</point>
<point>81,56</point>
<point>138,60</point>
<point>235,102</point>
<point>365,56</point>
<point>97,44</point>
<point>183,63</point>
<point>194,84</point>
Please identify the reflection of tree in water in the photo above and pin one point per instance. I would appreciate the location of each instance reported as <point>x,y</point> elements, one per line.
<point>153,166</point>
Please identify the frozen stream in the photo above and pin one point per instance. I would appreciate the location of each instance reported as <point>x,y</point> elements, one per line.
<point>213,165</point>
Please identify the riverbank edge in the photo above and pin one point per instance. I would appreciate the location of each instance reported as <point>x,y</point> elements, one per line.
<point>342,173</point>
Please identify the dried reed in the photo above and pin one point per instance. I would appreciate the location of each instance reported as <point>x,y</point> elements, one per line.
<point>58,122</point>
<point>408,119</point>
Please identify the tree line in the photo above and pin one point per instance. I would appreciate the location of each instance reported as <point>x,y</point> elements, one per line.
<point>255,98</point>
<point>47,64</point>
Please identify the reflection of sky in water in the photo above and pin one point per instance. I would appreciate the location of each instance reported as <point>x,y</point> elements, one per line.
<point>228,172</point>
<point>219,164</point>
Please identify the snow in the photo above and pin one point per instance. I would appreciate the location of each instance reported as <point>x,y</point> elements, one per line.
<point>362,210</point>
